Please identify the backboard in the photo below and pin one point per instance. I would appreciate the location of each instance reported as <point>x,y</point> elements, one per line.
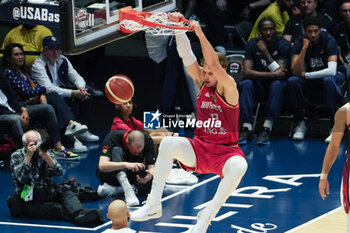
<point>85,25</point>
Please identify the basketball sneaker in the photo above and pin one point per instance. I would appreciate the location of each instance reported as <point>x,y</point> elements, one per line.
<point>299,132</point>
<point>245,136</point>
<point>107,190</point>
<point>203,221</point>
<point>147,211</point>
<point>88,137</point>
<point>329,138</point>
<point>65,154</point>
<point>75,129</point>
<point>131,199</point>
<point>264,137</point>
<point>78,147</point>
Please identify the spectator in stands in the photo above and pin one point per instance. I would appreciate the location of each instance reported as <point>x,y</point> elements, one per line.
<point>21,117</point>
<point>124,120</point>
<point>278,12</point>
<point>317,74</point>
<point>265,68</point>
<point>32,93</point>
<point>30,36</point>
<point>294,28</point>
<point>34,166</point>
<point>342,32</point>
<point>54,71</point>
<point>119,214</point>
<point>127,157</point>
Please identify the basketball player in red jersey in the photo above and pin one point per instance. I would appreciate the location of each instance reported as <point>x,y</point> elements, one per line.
<point>215,148</point>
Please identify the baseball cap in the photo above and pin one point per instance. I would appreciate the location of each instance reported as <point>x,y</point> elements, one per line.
<point>51,41</point>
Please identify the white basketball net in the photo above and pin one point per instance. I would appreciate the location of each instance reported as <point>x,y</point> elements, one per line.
<point>160,18</point>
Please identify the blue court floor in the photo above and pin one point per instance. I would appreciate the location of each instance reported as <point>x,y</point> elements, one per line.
<point>279,192</point>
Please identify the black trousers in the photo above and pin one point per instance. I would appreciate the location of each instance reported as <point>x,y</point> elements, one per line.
<point>63,114</point>
<point>82,110</point>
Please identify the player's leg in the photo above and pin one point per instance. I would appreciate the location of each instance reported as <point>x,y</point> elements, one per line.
<point>347,223</point>
<point>170,148</point>
<point>233,171</point>
<point>345,192</point>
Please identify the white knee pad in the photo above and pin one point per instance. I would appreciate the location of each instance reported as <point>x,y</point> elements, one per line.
<point>173,144</point>
<point>235,166</point>
<point>178,148</point>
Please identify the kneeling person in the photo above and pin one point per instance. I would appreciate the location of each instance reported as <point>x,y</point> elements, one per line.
<point>127,157</point>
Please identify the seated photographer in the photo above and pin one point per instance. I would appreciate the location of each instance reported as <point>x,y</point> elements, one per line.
<point>127,158</point>
<point>36,194</point>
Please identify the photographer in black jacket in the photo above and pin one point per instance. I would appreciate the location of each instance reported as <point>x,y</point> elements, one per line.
<point>127,157</point>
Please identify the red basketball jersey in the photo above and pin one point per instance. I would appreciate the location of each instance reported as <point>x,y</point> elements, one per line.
<point>220,119</point>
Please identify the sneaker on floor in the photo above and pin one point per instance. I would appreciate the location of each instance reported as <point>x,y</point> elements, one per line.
<point>146,212</point>
<point>328,139</point>
<point>245,136</point>
<point>78,146</point>
<point>107,190</point>
<point>202,224</point>
<point>131,199</point>
<point>299,131</point>
<point>75,129</point>
<point>65,154</point>
<point>88,137</point>
<point>264,137</point>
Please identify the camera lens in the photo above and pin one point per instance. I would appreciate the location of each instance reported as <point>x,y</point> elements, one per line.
<point>142,173</point>
<point>44,146</point>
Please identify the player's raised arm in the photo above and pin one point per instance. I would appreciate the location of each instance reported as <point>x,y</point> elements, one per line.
<point>184,49</point>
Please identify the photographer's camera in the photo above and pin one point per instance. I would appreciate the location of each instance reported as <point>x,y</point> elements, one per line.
<point>44,146</point>
<point>142,173</point>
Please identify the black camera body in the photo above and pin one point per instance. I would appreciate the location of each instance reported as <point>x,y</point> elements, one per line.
<point>142,173</point>
<point>44,146</point>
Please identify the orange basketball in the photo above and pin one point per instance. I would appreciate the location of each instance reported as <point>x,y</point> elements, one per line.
<point>119,89</point>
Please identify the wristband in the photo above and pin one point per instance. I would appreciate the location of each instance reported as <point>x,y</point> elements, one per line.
<point>273,66</point>
<point>323,176</point>
<point>74,94</point>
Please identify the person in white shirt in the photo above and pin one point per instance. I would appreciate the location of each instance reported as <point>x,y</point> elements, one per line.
<point>55,72</point>
<point>119,214</point>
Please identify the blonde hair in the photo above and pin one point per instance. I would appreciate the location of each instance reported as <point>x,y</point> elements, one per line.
<point>222,59</point>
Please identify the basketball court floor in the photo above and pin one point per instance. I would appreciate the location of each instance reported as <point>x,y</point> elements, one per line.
<point>279,193</point>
